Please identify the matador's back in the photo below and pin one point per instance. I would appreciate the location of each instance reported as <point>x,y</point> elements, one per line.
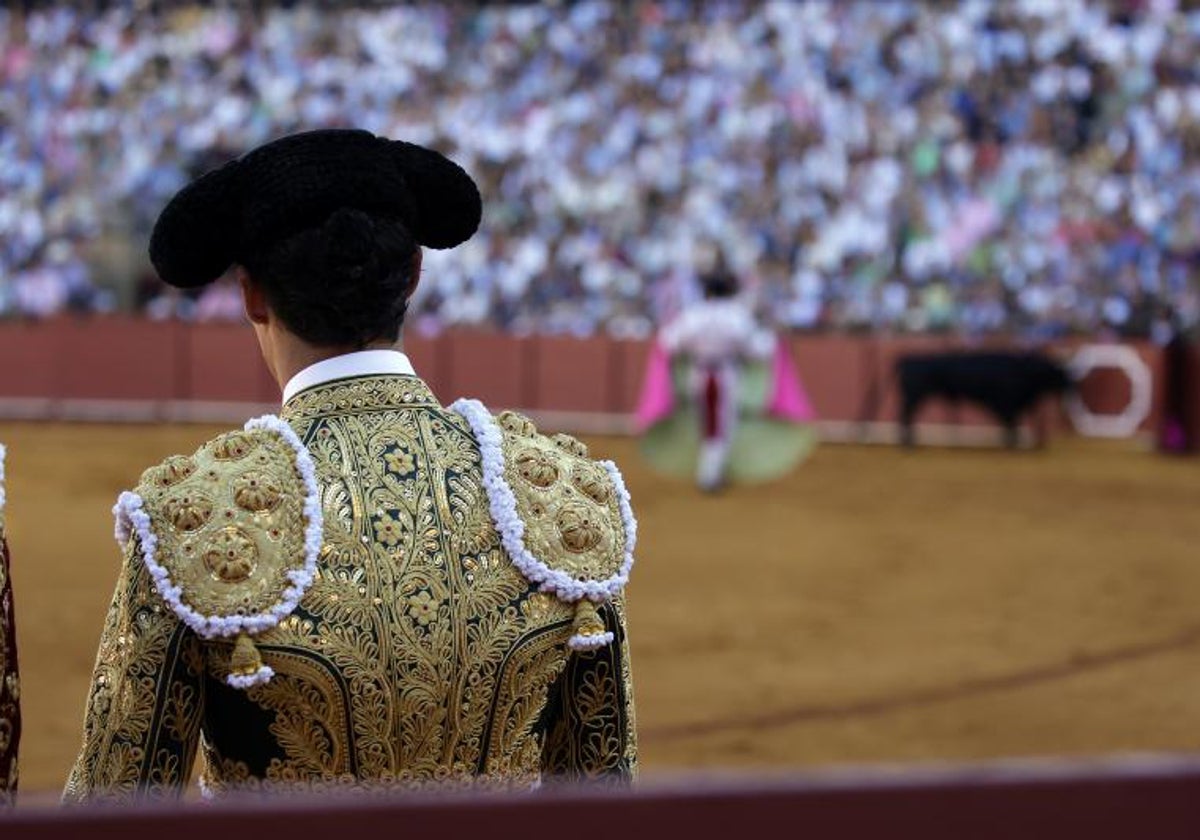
<point>455,614</point>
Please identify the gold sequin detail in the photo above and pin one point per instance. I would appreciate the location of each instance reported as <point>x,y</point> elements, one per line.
<point>231,557</point>
<point>171,471</point>
<point>232,446</point>
<point>256,492</point>
<point>537,468</point>
<point>188,511</point>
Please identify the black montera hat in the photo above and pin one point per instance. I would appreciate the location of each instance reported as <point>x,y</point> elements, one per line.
<point>296,182</point>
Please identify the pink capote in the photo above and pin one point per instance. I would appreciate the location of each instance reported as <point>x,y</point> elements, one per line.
<point>657,399</point>
<point>788,400</point>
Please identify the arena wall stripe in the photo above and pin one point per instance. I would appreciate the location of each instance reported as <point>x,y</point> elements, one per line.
<point>632,363</point>
<point>429,356</point>
<point>1149,796</point>
<point>31,354</point>
<point>223,364</point>
<point>124,368</point>
<point>572,374</point>
<point>487,366</point>
<point>109,359</point>
<point>834,373</point>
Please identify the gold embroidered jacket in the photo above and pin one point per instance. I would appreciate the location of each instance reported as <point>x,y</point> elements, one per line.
<point>420,653</point>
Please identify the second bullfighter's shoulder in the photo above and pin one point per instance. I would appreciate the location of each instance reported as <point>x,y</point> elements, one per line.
<point>3,457</point>
<point>564,519</point>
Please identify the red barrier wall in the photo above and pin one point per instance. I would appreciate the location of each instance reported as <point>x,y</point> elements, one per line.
<point>849,378</point>
<point>222,364</point>
<point>574,375</point>
<point>835,372</point>
<point>120,360</point>
<point>31,360</point>
<point>630,365</point>
<point>488,366</point>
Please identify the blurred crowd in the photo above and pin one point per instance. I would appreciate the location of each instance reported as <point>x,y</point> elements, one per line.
<point>1030,166</point>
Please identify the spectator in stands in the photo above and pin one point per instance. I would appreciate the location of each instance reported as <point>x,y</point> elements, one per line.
<point>975,166</point>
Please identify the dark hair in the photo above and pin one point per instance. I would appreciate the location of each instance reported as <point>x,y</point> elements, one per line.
<point>719,284</point>
<point>344,283</point>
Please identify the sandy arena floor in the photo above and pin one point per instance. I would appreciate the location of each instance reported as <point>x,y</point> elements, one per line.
<point>875,606</point>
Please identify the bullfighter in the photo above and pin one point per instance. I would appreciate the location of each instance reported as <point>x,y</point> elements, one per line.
<point>370,590</point>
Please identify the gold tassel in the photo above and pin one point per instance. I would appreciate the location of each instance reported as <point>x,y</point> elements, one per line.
<point>587,619</point>
<point>245,660</point>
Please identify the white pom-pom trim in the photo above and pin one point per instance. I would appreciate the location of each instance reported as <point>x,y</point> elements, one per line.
<point>244,681</point>
<point>3,497</point>
<point>207,792</point>
<point>131,519</point>
<point>591,641</point>
<point>503,506</point>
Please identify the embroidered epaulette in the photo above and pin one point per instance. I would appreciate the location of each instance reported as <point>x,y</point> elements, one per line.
<point>564,519</point>
<point>230,535</point>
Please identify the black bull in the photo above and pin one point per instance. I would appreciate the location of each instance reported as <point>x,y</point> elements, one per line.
<point>1007,384</point>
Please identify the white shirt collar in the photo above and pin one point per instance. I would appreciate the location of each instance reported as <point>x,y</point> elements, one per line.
<point>360,363</point>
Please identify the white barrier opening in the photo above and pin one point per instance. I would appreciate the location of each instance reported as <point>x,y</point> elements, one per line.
<point>1118,357</point>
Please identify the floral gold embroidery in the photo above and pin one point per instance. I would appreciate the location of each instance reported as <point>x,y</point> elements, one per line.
<point>399,462</point>
<point>231,557</point>
<point>516,423</point>
<point>256,492</point>
<point>172,471</point>
<point>146,669</point>
<point>579,528</point>
<point>387,529</point>
<point>592,483</point>
<point>232,446</point>
<point>189,511</point>
<point>537,468</point>
<point>570,445</point>
<point>423,608</point>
